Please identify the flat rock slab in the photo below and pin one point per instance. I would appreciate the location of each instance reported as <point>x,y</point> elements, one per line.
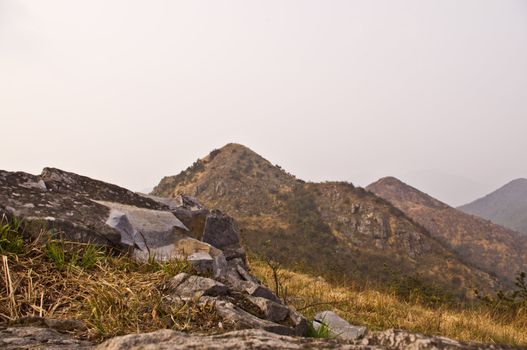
<point>142,228</point>
<point>239,340</point>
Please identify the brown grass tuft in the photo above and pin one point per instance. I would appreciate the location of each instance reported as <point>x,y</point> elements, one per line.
<point>112,295</point>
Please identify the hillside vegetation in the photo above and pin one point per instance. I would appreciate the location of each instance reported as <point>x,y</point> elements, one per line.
<point>378,310</point>
<point>479,242</point>
<point>112,294</point>
<point>330,229</point>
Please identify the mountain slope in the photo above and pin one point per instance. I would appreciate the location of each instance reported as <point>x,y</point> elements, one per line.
<point>333,229</point>
<point>507,206</point>
<point>493,248</point>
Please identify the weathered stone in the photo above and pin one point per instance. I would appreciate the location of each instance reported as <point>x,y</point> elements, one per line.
<point>221,232</point>
<point>149,232</point>
<point>338,327</point>
<point>300,323</point>
<point>258,290</point>
<point>188,286</point>
<point>60,181</point>
<point>189,247</point>
<point>243,319</point>
<point>202,262</point>
<point>403,340</point>
<point>273,312</point>
<point>63,202</point>
<point>239,340</point>
<point>19,338</point>
<point>171,203</point>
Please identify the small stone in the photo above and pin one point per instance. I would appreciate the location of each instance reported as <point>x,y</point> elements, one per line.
<point>339,327</point>
<point>189,286</point>
<point>273,311</point>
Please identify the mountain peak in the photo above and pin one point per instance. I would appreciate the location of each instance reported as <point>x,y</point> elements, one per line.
<point>232,152</point>
<point>390,180</point>
<point>233,148</point>
<point>517,182</point>
<point>506,206</point>
<point>395,190</point>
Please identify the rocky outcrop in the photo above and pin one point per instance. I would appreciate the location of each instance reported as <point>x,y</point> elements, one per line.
<point>78,208</point>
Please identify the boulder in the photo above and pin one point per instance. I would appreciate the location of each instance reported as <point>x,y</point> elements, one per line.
<point>148,232</point>
<point>338,327</point>
<point>220,231</point>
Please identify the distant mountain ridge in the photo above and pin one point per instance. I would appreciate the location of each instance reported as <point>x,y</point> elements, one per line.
<point>507,206</point>
<point>330,228</point>
<point>495,249</point>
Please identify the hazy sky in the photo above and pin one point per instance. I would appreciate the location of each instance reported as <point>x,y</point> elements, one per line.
<point>432,92</point>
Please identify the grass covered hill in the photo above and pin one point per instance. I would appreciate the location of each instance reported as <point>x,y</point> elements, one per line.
<point>332,229</point>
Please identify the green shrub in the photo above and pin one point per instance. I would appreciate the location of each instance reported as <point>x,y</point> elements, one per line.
<point>11,236</point>
<point>90,256</point>
<point>322,331</point>
<point>55,252</point>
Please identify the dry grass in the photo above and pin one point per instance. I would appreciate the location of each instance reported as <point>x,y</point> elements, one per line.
<point>112,295</point>
<point>381,310</point>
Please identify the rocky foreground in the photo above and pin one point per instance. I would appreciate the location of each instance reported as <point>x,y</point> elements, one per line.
<point>77,208</point>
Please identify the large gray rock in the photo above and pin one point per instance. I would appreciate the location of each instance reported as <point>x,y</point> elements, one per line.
<point>220,231</point>
<point>338,327</point>
<point>64,202</point>
<point>150,233</point>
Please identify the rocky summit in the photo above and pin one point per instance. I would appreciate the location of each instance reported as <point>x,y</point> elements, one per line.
<point>507,206</point>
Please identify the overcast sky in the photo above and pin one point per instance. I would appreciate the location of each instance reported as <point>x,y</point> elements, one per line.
<point>432,92</point>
